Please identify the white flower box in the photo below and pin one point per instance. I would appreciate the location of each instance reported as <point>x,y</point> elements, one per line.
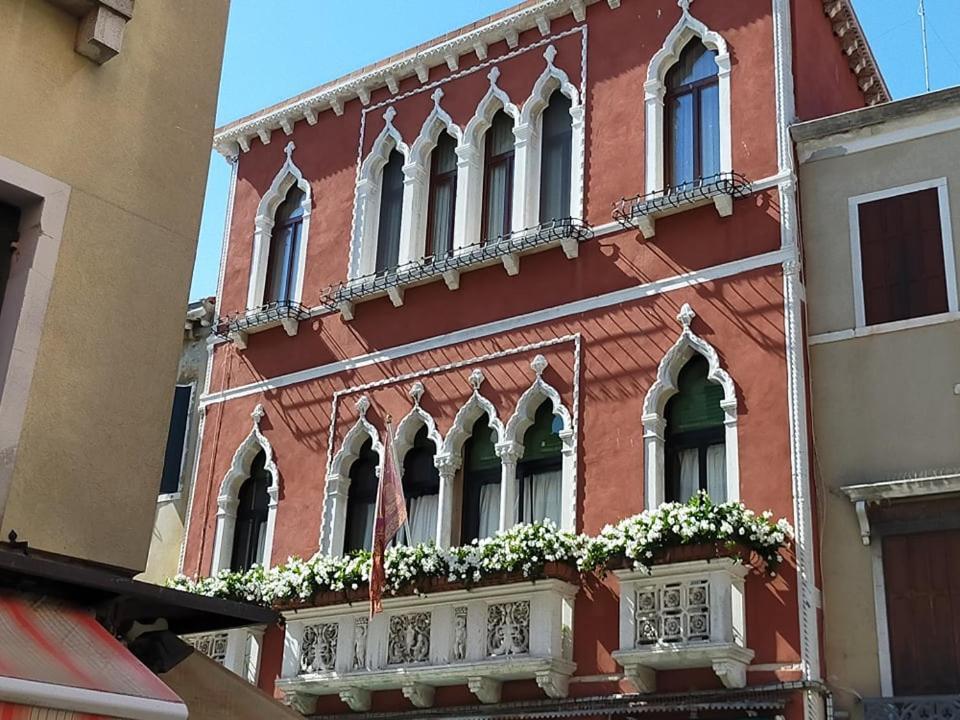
<point>683,615</point>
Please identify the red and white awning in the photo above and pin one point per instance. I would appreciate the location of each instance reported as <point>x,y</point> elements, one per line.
<point>58,662</point>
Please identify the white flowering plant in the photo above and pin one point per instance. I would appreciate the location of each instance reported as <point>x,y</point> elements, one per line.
<point>699,521</point>
<point>522,549</point>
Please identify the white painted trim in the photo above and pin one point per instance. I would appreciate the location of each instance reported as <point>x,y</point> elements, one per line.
<point>577,307</point>
<point>654,411</point>
<point>82,700</point>
<point>848,143</point>
<point>687,28</point>
<point>936,483</point>
<point>946,236</point>
<point>229,488</point>
<point>883,328</point>
<point>880,611</point>
<point>234,162</point>
<point>288,176</point>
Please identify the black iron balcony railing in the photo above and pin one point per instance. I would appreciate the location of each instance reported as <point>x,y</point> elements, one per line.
<point>636,213</point>
<point>919,707</point>
<point>241,323</point>
<point>569,232</point>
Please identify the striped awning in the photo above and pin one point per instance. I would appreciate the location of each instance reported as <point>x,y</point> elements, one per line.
<point>58,662</point>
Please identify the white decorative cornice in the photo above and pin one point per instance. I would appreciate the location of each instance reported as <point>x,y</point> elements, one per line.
<point>416,63</point>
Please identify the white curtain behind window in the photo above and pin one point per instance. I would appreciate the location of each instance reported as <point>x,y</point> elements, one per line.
<point>541,497</point>
<point>421,527</point>
<point>489,510</point>
<point>717,473</point>
<point>689,474</point>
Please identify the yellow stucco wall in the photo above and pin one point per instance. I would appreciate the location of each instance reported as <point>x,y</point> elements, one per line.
<point>883,404</point>
<point>132,139</point>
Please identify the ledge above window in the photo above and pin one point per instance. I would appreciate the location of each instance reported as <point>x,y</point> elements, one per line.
<point>640,212</point>
<point>568,233</point>
<point>237,327</point>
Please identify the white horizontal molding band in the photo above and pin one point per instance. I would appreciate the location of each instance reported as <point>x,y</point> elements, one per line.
<point>83,700</point>
<point>598,302</point>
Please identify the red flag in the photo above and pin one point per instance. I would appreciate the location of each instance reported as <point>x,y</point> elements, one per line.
<point>391,514</point>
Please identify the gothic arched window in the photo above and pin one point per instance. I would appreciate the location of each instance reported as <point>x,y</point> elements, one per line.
<point>391,209</point>
<point>693,116</point>
<point>498,177</point>
<point>421,488</point>
<point>250,532</point>
<point>480,516</point>
<point>695,451</point>
<point>361,500</point>
<point>282,264</point>
<point>442,197</point>
<point>555,157</point>
<point>540,471</point>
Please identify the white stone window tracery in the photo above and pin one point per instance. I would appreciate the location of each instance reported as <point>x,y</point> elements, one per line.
<point>665,387</point>
<point>288,176</point>
<point>227,499</point>
<point>687,28</point>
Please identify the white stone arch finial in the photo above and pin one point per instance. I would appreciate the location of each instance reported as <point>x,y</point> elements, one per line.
<point>538,365</point>
<point>493,75</point>
<point>416,392</point>
<point>288,150</point>
<point>389,115</point>
<point>684,5</point>
<point>664,387</point>
<point>476,379</point>
<point>362,405</point>
<point>228,497</point>
<point>550,54</point>
<point>437,96</point>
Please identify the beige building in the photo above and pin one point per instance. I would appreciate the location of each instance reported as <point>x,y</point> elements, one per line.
<point>880,192</point>
<point>176,475</point>
<point>102,173</point>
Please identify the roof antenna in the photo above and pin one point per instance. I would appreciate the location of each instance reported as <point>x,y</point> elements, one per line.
<point>922,12</point>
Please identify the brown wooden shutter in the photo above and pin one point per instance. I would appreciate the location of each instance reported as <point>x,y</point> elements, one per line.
<point>901,251</point>
<point>923,611</point>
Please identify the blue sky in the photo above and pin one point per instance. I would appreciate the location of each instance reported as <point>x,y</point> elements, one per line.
<point>278,48</point>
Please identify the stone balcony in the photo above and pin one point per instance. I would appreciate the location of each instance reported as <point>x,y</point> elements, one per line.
<point>683,615</point>
<point>940,707</point>
<point>478,637</point>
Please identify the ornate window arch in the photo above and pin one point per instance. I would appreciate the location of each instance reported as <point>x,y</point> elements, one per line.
<point>529,143</point>
<point>470,165</point>
<point>511,450</point>
<point>417,178</point>
<point>366,223</point>
<point>665,387</point>
<point>227,499</point>
<point>687,28</point>
<point>337,487</point>
<point>288,176</point>
<point>449,457</point>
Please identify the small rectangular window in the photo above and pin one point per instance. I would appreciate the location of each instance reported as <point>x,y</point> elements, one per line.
<point>176,439</point>
<point>902,266</point>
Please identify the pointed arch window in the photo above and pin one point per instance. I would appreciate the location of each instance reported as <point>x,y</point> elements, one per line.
<point>250,532</point>
<point>555,158</point>
<point>442,197</point>
<point>480,516</point>
<point>498,177</point>
<point>391,209</point>
<point>540,472</point>
<point>282,263</point>
<point>421,488</point>
<point>361,500</point>
<point>693,116</point>
<point>695,449</point>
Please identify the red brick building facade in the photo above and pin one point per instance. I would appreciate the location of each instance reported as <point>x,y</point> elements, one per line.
<point>439,239</point>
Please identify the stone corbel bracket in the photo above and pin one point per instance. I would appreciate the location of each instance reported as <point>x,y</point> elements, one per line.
<point>102,22</point>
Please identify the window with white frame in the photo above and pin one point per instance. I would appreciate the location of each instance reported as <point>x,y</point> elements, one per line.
<point>441,208</point>
<point>421,488</point>
<point>556,158</point>
<point>282,265</point>
<point>498,160</point>
<point>250,530</point>
<point>692,117</point>
<point>540,471</point>
<point>480,510</point>
<point>391,213</point>
<point>902,249</point>
<point>361,500</point>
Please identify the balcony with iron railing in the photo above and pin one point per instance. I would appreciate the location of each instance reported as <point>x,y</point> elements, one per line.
<point>238,326</point>
<point>641,212</point>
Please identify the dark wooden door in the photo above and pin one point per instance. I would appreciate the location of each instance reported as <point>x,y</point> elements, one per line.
<point>922,577</point>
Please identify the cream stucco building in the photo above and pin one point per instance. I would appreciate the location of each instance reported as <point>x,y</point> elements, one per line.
<point>880,192</point>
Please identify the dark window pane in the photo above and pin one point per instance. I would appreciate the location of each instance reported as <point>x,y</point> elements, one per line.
<point>421,488</point>
<point>284,248</point>
<point>361,500</point>
<point>176,437</point>
<point>498,177</point>
<point>251,526</point>
<point>540,470</point>
<point>709,130</point>
<point>9,232</point>
<point>480,517</point>
<point>555,159</point>
<point>443,190</point>
<point>694,451</point>
<point>391,207</point>
<point>681,114</point>
<point>901,253</point>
